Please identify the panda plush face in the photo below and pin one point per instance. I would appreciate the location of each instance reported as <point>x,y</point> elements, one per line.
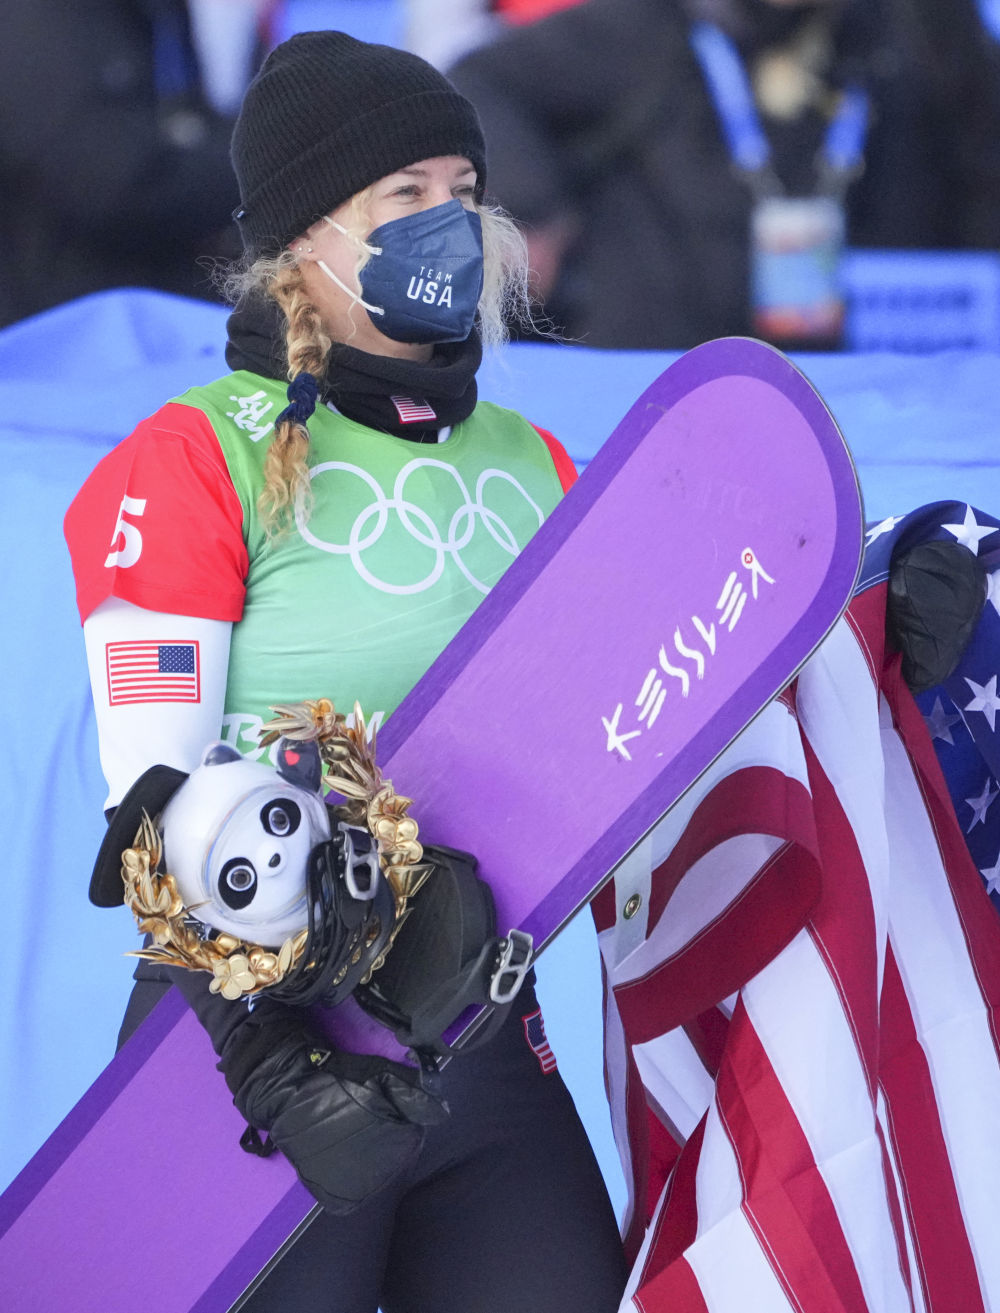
<point>255,870</point>
<point>237,837</point>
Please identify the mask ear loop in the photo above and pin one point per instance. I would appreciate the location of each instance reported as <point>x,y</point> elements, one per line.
<point>372,250</point>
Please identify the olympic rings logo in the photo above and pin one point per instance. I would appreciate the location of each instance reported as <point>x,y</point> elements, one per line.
<point>371,523</point>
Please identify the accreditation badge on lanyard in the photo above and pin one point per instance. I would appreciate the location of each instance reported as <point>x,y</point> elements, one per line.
<point>796,242</point>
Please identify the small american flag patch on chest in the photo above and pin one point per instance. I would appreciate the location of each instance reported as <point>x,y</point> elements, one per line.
<point>413,410</point>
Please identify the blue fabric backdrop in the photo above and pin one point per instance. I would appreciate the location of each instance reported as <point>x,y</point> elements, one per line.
<point>72,383</point>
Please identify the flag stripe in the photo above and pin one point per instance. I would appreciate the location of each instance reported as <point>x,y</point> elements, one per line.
<point>640,1158</point>
<point>945,1263</point>
<point>159,696</point>
<point>945,999</point>
<point>786,1197</point>
<point>910,1240</point>
<point>676,1289</point>
<point>796,1015</point>
<point>733,1270</point>
<point>731,810</point>
<point>837,704</point>
<point>675,1078</point>
<point>766,914</point>
<point>708,1033</point>
<point>666,1277</point>
<point>843,924</point>
<point>703,890</point>
<point>619,1068</point>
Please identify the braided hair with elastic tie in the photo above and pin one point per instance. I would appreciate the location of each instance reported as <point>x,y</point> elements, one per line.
<point>307,342</point>
<point>302,394</point>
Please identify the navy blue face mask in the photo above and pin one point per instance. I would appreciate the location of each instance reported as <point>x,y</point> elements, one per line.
<point>425,275</point>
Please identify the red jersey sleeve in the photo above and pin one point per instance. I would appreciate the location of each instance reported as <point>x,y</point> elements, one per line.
<point>159,524</point>
<point>560,458</point>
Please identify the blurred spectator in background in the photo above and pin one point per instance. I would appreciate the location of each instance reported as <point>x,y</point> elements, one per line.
<point>990,11</point>
<point>115,118</point>
<point>690,168</point>
<point>444,30</point>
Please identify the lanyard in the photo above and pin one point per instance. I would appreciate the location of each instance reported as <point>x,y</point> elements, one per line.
<point>175,73</point>
<point>749,148</point>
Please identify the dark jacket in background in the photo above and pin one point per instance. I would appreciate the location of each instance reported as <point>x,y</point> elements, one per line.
<point>113,170</point>
<point>602,110</point>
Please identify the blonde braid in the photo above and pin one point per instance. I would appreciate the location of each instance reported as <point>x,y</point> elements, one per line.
<point>307,344</point>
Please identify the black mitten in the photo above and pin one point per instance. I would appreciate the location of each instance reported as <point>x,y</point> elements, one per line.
<point>348,1123</point>
<point>936,596</point>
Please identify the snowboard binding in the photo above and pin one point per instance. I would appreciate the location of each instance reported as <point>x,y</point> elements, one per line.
<point>446,960</point>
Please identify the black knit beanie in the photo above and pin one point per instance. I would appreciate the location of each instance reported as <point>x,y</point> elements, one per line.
<point>326,116</point>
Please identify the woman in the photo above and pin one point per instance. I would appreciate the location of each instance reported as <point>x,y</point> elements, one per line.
<point>331,546</point>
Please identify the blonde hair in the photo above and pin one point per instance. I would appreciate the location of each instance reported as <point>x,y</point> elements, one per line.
<point>307,346</point>
<point>505,299</point>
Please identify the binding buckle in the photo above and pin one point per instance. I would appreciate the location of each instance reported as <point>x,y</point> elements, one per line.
<point>513,964</point>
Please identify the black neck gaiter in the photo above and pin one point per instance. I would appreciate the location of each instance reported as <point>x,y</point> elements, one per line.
<point>401,397</point>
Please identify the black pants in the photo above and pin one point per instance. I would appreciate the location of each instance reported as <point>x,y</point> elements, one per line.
<point>505,1208</point>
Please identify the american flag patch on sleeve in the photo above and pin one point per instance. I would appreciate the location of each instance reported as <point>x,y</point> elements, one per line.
<point>152,671</point>
<point>534,1030</point>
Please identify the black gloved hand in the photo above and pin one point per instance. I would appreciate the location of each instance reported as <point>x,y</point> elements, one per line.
<point>348,1123</point>
<point>937,591</point>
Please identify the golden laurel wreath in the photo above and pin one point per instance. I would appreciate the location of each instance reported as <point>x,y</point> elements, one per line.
<point>239,968</point>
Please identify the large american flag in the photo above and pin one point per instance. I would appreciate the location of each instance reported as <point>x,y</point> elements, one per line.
<point>802,1045</point>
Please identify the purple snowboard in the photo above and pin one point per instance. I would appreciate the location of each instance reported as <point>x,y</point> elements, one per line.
<point>703,555</point>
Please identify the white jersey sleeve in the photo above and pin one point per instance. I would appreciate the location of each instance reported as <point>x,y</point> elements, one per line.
<point>159,686</point>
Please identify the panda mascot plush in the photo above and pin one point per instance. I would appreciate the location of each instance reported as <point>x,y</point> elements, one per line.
<point>277,895</point>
